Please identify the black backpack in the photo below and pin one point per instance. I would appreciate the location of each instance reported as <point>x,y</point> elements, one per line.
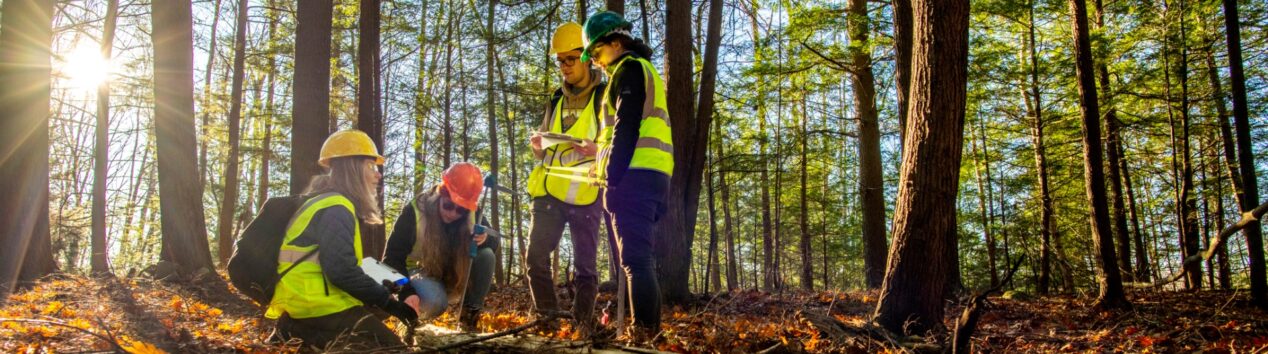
<point>257,247</point>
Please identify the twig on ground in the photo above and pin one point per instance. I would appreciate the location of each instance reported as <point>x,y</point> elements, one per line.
<point>968,319</point>
<point>504,333</point>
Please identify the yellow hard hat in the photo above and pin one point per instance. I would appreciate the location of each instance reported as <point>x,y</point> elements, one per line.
<point>349,142</point>
<point>567,37</point>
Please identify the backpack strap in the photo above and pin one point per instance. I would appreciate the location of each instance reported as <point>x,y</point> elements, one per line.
<point>306,198</point>
<point>293,265</point>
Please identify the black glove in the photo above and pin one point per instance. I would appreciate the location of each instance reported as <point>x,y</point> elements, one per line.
<point>402,311</point>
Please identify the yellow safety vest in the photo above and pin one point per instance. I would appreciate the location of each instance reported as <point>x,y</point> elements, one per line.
<point>655,147</point>
<point>304,293</point>
<point>570,191</point>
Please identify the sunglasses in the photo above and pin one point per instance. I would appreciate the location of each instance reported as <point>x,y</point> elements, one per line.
<point>567,61</point>
<point>450,206</point>
<point>594,52</point>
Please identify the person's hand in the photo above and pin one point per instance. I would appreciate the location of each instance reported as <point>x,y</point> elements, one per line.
<point>586,147</point>
<point>413,301</point>
<point>536,142</point>
<point>402,311</point>
<point>480,238</point>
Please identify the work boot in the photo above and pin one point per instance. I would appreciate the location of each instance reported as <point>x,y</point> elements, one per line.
<point>467,322</point>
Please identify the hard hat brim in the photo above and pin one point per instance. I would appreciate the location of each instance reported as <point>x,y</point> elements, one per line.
<point>325,162</point>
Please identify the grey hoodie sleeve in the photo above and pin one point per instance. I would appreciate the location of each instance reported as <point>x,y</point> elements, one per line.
<point>333,228</point>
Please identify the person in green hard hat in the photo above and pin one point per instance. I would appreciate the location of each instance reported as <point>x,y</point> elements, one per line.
<point>636,157</point>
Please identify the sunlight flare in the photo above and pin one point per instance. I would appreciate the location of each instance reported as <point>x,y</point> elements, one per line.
<point>84,68</point>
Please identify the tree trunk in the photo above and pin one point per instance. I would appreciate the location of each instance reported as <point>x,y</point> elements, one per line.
<point>311,107</point>
<point>373,237</point>
<point>690,136</point>
<point>230,202</point>
<point>100,247</point>
<point>447,126</point>
<point>1046,228</point>
<point>1245,155</point>
<point>713,279</point>
<point>617,6</point>
<point>1113,173</point>
<point>208,95</point>
<point>266,146</point>
<point>26,35</point>
<point>1111,294</point>
<point>807,260</point>
<point>984,204</point>
<point>1142,257</point>
<point>732,274</point>
<point>902,64</point>
<point>871,183</point>
<point>180,194</point>
<point>925,207</point>
<point>1230,161</point>
<point>1189,211</point>
<point>491,99</point>
<point>768,248</point>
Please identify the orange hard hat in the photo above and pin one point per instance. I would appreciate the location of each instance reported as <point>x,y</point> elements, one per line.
<point>464,183</point>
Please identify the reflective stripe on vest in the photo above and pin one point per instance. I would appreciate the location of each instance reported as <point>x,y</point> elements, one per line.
<point>304,293</point>
<point>654,149</point>
<point>569,191</point>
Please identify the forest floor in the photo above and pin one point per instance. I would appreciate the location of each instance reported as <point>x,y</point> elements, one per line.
<point>80,314</point>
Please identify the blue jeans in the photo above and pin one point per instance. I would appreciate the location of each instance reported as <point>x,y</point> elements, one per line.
<point>431,294</point>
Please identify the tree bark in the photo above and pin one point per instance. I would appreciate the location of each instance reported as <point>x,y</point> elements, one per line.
<point>732,274</point>
<point>871,183</point>
<point>230,202</point>
<point>100,247</point>
<point>373,237</point>
<point>1190,245</point>
<point>713,279</point>
<point>807,259</point>
<point>180,194</point>
<point>26,34</point>
<point>902,64</point>
<point>310,123</point>
<point>1230,160</point>
<point>491,101</point>
<point>931,165</point>
<point>1142,257</point>
<point>266,146</point>
<point>1113,173</point>
<point>1046,228</point>
<point>1111,294</point>
<point>984,204</point>
<point>1245,155</point>
<point>207,94</point>
<point>617,6</point>
<point>447,127</point>
<point>690,134</point>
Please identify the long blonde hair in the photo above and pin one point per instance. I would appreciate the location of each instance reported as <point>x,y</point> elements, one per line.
<point>347,177</point>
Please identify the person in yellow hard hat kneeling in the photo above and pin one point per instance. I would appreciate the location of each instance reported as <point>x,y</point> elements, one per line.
<point>449,257</point>
<point>321,300</point>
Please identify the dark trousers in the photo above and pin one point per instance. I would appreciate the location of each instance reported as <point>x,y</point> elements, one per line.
<point>354,328</point>
<point>635,205</point>
<point>549,218</point>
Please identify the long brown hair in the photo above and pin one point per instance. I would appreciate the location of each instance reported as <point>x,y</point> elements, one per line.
<point>347,177</point>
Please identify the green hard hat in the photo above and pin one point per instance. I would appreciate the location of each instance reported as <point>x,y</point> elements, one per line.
<point>600,25</point>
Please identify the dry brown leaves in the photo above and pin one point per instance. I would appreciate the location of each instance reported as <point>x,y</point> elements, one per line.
<point>143,316</point>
